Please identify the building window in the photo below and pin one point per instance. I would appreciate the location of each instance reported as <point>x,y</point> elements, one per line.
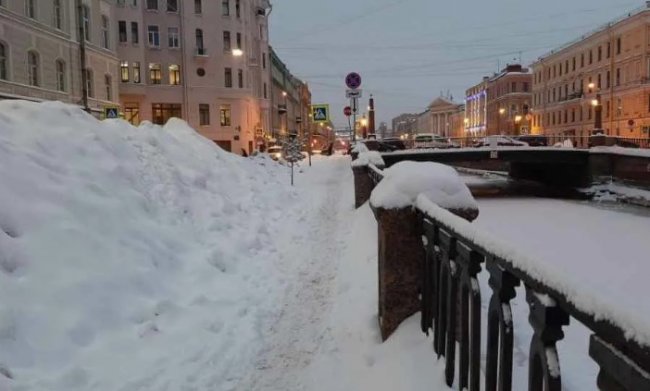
<point>134,3</point>
<point>172,5</point>
<point>619,107</point>
<point>172,36</point>
<point>162,112</point>
<point>573,115</point>
<point>105,32</point>
<point>618,76</point>
<point>132,113</point>
<point>618,45</point>
<point>85,13</point>
<point>3,61</point>
<point>607,79</point>
<point>265,92</point>
<point>225,7</point>
<point>228,78</point>
<point>238,8</point>
<point>589,111</point>
<point>30,9</point>
<point>120,3</point>
<point>136,72</point>
<point>224,115</point>
<point>264,60</point>
<point>573,66</point>
<point>108,85</point>
<point>154,36</point>
<point>121,28</point>
<point>599,81</point>
<point>155,73</point>
<point>600,53</point>
<point>135,33</point>
<point>240,78</point>
<point>582,60</point>
<point>226,41</point>
<point>199,42</point>
<point>174,75</point>
<point>90,84</point>
<point>124,71</point>
<point>204,114</point>
<point>152,5</point>
<point>198,6</point>
<point>514,85</point>
<point>238,40</point>
<point>609,49</point>
<point>60,75</point>
<point>32,68</point>
<point>58,15</point>
<point>591,56</point>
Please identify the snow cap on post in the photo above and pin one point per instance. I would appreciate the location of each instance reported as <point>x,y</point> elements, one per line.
<point>405,181</point>
<point>368,158</point>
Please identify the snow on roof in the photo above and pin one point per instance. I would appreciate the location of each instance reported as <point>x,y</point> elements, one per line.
<point>405,181</point>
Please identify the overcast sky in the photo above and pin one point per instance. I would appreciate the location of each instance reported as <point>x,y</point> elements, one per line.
<point>409,51</point>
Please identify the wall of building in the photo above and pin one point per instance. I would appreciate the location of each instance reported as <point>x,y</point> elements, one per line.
<point>617,60</point>
<point>52,34</point>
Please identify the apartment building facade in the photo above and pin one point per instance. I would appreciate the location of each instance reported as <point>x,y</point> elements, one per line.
<point>476,109</point>
<point>509,96</point>
<point>405,124</point>
<point>206,62</point>
<point>608,69</point>
<point>40,51</point>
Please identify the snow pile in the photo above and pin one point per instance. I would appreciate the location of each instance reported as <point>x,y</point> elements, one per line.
<point>367,158</point>
<point>618,150</point>
<point>130,258</point>
<point>564,144</point>
<point>405,181</point>
<point>360,147</point>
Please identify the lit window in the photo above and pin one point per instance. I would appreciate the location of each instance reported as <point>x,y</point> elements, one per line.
<point>124,71</point>
<point>174,75</point>
<point>155,73</point>
<point>224,115</point>
<point>136,72</point>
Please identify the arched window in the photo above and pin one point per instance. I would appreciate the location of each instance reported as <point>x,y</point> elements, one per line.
<point>105,32</point>
<point>108,85</point>
<point>4,63</point>
<point>90,83</point>
<point>32,68</point>
<point>60,75</point>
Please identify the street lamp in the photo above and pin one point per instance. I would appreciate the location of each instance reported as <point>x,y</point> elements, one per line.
<point>502,111</point>
<point>598,107</point>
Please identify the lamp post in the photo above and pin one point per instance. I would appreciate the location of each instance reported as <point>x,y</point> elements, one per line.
<point>517,122</point>
<point>598,108</point>
<point>364,123</point>
<point>502,111</point>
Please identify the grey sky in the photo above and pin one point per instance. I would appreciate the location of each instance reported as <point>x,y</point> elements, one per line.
<point>408,51</point>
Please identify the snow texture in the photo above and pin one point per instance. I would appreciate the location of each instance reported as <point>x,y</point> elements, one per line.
<point>360,147</point>
<point>622,151</point>
<point>591,248</point>
<point>405,181</point>
<point>368,158</point>
<point>132,258</point>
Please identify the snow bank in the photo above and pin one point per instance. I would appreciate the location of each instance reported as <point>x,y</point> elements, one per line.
<point>405,181</point>
<point>622,151</point>
<point>130,258</point>
<point>367,158</point>
<point>360,147</point>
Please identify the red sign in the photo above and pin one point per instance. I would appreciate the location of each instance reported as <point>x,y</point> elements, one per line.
<point>347,111</point>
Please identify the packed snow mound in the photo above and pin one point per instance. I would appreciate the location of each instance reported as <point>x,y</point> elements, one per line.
<point>130,258</point>
<point>367,158</point>
<point>405,181</point>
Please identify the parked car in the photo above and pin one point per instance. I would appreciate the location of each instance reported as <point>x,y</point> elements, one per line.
<point>500,141</point>
<point>393,143</point>
<point>430,140</point>
<point>533,140</point>
<point>275,152</point>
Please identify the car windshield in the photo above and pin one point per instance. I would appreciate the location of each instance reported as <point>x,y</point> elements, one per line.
<point>424,139</point>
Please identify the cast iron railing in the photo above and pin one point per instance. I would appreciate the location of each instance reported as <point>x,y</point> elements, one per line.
<point>451,308</point>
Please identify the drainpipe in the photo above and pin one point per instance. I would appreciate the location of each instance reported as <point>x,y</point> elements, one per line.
<point>82,56</point>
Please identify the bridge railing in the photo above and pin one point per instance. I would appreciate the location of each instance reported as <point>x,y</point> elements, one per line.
<point>449,297</point>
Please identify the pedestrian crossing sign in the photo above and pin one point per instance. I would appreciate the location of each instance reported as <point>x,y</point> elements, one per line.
<point>320,113</point>
<point>111,112</point>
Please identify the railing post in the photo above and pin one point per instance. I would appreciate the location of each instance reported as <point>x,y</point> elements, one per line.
<point>547,320</point>
<point>363,183</point>
<point>400,256</point>
<point>500,328</point>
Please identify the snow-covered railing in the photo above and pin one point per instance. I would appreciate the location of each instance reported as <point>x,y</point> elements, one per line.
<point>454,254</point>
